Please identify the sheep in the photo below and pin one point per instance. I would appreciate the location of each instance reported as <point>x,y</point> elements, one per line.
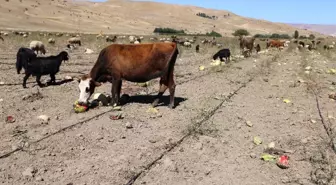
<point>39,66</point>
<point>51,41</point>
<point>24,35</point>
<point>108,39</point>
<point>75,40</point>
<point>187,44</point>
<point>37,46</point>
<point>59,34</point>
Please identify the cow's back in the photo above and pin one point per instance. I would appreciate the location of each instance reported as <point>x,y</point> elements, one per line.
<point>142,61</point>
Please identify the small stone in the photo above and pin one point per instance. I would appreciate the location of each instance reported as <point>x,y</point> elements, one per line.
<point>198,146</point>
<point>29,172</point>
<point>39,178</point>
<point>265,80</point>
<point>1,100</point>
<point>304,141</point>
<point>44,119</point>
<point>79,135</point>
<point>271,145</point>
<point>129,125</point>
<point>67,78</point>
<point>248,123</point>
<point>253,155</point>
<point>152,141</point>
<point>59,170</point>
<point>56,117</point>
<point>313,121</point>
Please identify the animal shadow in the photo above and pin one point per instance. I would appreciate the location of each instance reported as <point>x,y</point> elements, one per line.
<point>58,83</point>
<point>148,99</point>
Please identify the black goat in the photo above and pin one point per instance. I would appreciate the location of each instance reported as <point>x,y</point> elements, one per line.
<point>223,53</point>
<point>197,48</point>
<point>40,66</point>
<point>23,56</point>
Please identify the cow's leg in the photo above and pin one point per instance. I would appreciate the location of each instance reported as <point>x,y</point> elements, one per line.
<point>171,86</point>
<point>115,92</point>
<point>163,88</point>
<point>38,80</point>
<point>25,78</point>
<point>118,89</point>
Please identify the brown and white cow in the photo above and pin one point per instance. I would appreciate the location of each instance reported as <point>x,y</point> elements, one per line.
<point>135,63</point>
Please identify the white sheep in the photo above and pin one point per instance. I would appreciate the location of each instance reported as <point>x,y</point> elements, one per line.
<point>74,40</point>
<point>37,46</point>
<point>24,35</point>
<point>187,44</point>
<point>51,41</point>
<point>136,42</point>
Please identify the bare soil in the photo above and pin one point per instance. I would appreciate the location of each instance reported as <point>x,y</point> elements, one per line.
<point>204,140</point>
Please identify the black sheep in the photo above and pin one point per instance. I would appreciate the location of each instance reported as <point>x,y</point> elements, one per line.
<point>223,53</point>
<point>23,56</point>
<point>40,66</point>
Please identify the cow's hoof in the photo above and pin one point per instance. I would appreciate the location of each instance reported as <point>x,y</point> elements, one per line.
<point>155,103</point>
<point>171,106</point>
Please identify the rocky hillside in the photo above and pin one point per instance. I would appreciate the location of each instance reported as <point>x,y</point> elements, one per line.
<point>127,17</point>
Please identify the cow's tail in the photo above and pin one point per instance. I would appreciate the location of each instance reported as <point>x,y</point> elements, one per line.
<point>172,61</point>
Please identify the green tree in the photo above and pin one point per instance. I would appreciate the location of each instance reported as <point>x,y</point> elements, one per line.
<point>241,32</point>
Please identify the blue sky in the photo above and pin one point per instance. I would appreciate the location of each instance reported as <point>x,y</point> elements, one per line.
<point>286,11</point>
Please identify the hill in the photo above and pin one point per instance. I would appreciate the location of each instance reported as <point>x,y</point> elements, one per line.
<point>324,29</point>
<point>126,17</point>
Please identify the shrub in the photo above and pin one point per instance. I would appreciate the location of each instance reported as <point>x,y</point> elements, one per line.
<point>273,36</point>
<point>213,34</point>
<point>200,14</point>
<point>168,31</point>
<point>241,32</point>
<point>311,36</point>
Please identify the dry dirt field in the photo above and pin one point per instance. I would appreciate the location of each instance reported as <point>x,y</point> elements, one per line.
<point>206,139</point>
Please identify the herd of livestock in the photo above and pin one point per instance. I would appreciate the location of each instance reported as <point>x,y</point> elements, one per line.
<point>116,61</point>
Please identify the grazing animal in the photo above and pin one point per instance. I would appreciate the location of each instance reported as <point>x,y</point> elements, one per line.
<point>197,48</point>
<point>51,41</point>
<point>75,40</point>
<point>246,42</point>
<point>302,43</point>
<point>23,56</point>
<point>135,63</point>
<point>37,46</point>
<point>108,39</point>
<point>40,66</point>
<point>223,53</point>
<point>318,42</point>
<point>275,43</point>
<point>257,48</point>
<point>187,44</point>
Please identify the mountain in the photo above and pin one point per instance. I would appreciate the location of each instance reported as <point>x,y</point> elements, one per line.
<point>321,28</point>
<point>126,17</point>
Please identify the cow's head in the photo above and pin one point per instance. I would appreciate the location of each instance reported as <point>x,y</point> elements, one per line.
<point>86,87</point>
